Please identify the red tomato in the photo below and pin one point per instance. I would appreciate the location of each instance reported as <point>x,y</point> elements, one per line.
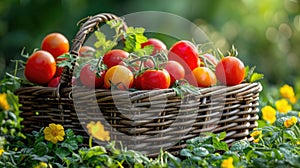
<point>90,79</point>
<point>175,70</point>
<point>137,82</point>
<point>186,54</point>
<point>86,51</point>
<point>204,76</point>
<point>40,67</point>
<point>230,71</point>
<point>58,71</point>
<point>55,43</point>
<point>155,79</point>
<point>114,57</point>
<point>119,76</point>
<point>54,82</point>
<point>158,45</point>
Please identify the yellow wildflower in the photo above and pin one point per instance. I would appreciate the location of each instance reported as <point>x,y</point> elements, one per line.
<point>1,151</point>
<point>269,114</point>
<point>42,165</point>
<point>298,142</point>
<point>3,102</point>
<point>256,133</point>
<point>283,106</point>
<point>97,131</point>
<point>290,122</point>
<point>227,163</point>
<point>256,140</point>
<point>54,133</point>
<point>299,114</point>
<point>287,91</point>
<point>293,100</point>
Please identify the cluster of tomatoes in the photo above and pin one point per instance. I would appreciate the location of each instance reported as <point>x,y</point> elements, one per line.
<point>183,62</point>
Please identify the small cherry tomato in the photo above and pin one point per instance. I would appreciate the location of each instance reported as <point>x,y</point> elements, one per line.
<point>158,45</point>
<point>119,76</point>
<point>55,43</point>
<point>114,57</point>
<point>230,71</point>
<point>89,77</point>
<point>204,76</point>
<point>86,51</point>
<point>40,67</point>
<point>186,54</point>
<point>175,70</point>
<point>155,79</point>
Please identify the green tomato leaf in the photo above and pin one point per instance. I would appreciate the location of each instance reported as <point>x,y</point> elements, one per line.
<point>255,77</point>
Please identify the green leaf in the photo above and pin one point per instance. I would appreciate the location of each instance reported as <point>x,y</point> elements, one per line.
<point>222,135</point>
<point>44,158</point>
<point>240,145</point>
<point>186,153</point>
<point>202,152</point>
<point>255,77</point>
<point>70,144</point>
<point>62,152</point>
<point>40,149</point>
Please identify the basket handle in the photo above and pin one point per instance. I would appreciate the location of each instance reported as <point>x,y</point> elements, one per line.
<point>86,28</point>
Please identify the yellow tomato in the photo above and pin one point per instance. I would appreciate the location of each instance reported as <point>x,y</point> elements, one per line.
<point>119,77</point>
<point>204,76</point>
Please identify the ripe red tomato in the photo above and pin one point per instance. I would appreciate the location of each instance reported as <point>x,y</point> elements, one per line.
<point>54,82</point>
<point>158,45</point>
<point>40,67</point>
<point>55,43</point>
<point>204,76</point>
<point>155,79</point>
<point>230,71</point>
<point>186,54</point>
<point>90,79</point>
<point>119,76</point>
<point>175,70</point>
<point>137,82</point>
<point>114,57</point>
<point>86,51</point>
<point>58,71</point>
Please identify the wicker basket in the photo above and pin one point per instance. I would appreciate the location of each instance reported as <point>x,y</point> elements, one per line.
<point>143,120</point>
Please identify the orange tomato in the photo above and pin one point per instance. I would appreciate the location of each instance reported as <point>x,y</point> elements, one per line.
<point>56,44</point>
<point>118,76</point>
<point>204,76</point>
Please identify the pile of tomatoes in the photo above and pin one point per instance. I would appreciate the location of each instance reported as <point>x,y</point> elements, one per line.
<point>122,71</point>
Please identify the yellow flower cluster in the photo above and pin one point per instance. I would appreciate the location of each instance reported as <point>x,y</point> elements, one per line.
<point>257,135</point>
<point>287,92</point>
<point>54,133</point>
<point>269,114</point>
<point>227,163</point>
<point>283,106</point>
<point>290,122</point>
<point>3,102</point>
<point>97,131</point>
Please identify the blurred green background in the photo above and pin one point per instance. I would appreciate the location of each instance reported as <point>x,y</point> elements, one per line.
<point>266,33</point>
